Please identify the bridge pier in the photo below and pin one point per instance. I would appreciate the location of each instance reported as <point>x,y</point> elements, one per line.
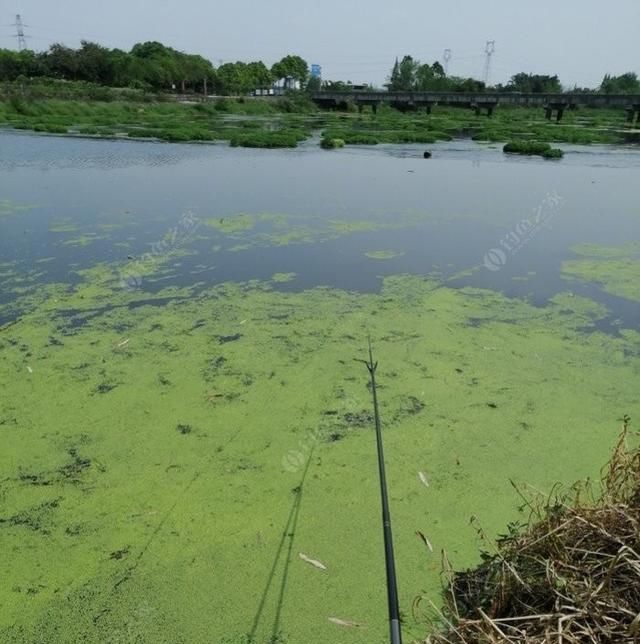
<point>558,108</point>
<point>363,103</point>
<point>633,114</point>
<point>478,107</point>
<point>428,105</point>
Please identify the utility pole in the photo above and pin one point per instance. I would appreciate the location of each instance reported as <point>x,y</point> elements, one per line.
<point>447,58</point>
<point>22,39</point>
<point>489,48</point>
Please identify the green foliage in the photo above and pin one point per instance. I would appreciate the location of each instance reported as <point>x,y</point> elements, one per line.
<point>533,148</point>
<point>409,75</point>
<point>279,139</point>
<point>533,84</point>
<point>526,147</point>
<point>331,144</point>
<point>553,153</point>
<point>148,66</point>
<point>291,67</point>
<point>296,103</point>
<point>625,84</point>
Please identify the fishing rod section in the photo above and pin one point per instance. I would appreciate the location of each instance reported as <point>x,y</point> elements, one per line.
<point>392,586</point>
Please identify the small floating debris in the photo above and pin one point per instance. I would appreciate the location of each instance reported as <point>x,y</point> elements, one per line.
<point>29,369</point>
<point>383,254</point>
<point>122,344</point>
<point>313,562</point>
<point>424,540</point>
<point>345,622</point>
<point>423,477</point>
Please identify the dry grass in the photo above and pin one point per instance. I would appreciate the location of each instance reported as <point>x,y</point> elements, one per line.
<point>572,574</point>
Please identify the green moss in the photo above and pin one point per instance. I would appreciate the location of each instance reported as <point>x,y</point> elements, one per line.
<point>283,277</point>
<point>9,208</point>
<point>233,224</point>
<point>120,524</point>
<point>384,254</point>
<point>615,269</point>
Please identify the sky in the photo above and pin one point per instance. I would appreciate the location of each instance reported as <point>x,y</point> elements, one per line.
<point>357,40</point>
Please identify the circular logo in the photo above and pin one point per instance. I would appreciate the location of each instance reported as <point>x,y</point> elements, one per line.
<point>292,461</point>
<point>495,259</point>
<point>130,281</point>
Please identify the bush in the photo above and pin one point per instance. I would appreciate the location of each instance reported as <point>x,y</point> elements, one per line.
<point>573,566</point>
<point>282,139</point>
<point>526,147</point>
<point>553,153</point>
<point>533,148</point>
<point>331,144</point>
<point>222,105</point>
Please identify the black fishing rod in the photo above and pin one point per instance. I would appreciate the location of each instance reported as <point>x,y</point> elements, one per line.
<point>392,586</point>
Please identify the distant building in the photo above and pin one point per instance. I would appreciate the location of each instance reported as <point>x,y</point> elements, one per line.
<point>316,71</point>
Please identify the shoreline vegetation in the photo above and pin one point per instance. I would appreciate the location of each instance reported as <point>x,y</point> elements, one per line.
<point>83,109</point>
<point>570,573</point>
<point>156,92</point>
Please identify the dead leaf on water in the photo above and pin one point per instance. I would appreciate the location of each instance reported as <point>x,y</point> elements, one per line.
<point>313,562</point>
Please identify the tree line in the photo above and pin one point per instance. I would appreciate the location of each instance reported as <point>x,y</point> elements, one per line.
<point>152,66</point>
<point>149,66</point>
<point>410,74</point>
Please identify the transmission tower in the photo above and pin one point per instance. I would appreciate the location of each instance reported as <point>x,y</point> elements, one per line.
<point>489,48</point>
<point>447,58</point>
<point>22,39</point>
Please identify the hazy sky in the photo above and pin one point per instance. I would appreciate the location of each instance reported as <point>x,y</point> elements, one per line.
<point>357,40</point>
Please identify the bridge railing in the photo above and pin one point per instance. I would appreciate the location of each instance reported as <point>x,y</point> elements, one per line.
<point>453,98</point>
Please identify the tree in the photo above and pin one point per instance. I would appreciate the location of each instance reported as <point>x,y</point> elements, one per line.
<point>403,75</point>
<point>625,84</point>
<point>259,75</point>
<point>61,62</point>
<point>94,63</point>
<point>534,84</point>
<point>438,70</point>
<point>19,63</point>
<point>291,67</point>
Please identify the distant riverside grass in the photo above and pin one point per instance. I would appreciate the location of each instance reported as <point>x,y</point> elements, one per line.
<point>282,139</point>
<point>531,148</point>
<point>61,107</point>
<point>331,144</point>
<point>375,136</point>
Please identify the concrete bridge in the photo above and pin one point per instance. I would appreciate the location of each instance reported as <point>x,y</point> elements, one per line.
<point>551,103</point>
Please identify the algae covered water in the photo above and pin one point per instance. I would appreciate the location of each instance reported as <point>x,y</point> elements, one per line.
<point>181,413</point>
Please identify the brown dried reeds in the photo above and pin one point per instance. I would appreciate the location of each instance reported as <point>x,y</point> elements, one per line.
<point>570,575</point>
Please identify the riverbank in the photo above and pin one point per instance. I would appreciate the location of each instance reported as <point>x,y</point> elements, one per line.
<point>86,110</point>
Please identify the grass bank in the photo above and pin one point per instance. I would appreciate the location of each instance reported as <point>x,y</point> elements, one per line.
<point>58,107</point>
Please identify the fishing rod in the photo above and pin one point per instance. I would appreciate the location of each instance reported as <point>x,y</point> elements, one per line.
<point>392,586</point>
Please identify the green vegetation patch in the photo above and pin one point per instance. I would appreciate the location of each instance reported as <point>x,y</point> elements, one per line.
<point>531,148</point>
<point>384,254</point>
<point>157,446</point>
<point>9,208</point>
<point>615,269</point>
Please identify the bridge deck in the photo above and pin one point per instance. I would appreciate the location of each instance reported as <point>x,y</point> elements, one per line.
<point>464,98</point>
